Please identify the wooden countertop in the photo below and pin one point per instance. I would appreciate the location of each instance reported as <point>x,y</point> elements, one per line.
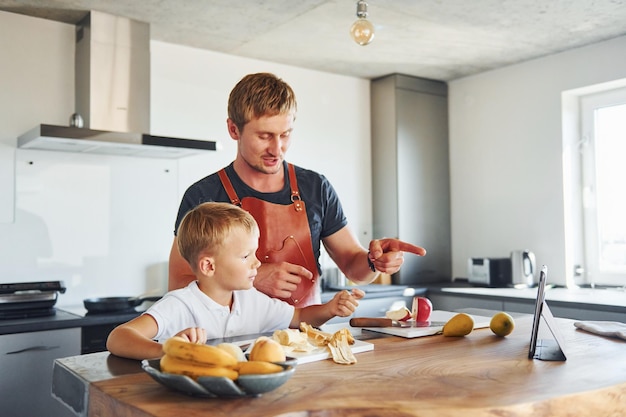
<point>476,375</point>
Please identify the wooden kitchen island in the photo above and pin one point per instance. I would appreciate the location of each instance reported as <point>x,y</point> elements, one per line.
<point>477,375</point>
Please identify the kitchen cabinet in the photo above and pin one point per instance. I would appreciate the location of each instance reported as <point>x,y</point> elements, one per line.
<point>575,310</point>
<point>410,172</point>
<point>26,360</point>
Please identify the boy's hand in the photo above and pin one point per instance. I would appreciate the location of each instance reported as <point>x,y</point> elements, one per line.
<point>195,335</point>
<point>344,303</point>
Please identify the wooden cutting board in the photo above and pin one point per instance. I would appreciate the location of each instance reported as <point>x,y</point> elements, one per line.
<point>436,316</point>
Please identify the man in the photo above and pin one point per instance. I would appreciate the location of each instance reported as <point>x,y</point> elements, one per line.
<point>295,208</point>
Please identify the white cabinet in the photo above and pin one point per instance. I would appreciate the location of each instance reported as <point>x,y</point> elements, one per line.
<point>26,361</point>
<point>410,172</point>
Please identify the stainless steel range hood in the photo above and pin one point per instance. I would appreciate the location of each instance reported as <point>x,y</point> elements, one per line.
<point>112,87</point>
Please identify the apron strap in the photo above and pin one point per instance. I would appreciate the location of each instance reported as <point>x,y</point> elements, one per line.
<point>295,194</point>
<point>228,186</point>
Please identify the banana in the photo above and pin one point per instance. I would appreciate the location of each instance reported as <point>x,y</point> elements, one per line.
<point>174,365</point>
<point>179,348</point>
<point>258,367</point>
<point>289,337</point>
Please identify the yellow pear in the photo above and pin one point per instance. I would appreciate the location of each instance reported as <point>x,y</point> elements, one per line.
<point>460,325</point>
<point>502,324</point>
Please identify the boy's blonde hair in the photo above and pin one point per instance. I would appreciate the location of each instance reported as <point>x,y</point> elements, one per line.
<point>261,94</point>
<point>204,228</point>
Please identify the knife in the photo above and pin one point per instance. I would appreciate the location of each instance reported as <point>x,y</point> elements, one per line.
<point>386,322</point>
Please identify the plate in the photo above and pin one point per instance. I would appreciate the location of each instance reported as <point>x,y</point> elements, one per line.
<point>221,387</point>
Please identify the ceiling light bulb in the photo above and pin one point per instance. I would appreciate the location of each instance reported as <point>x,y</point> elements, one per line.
<point>362,31</point>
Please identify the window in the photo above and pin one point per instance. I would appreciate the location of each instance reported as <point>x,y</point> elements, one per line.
<point>603,194</point>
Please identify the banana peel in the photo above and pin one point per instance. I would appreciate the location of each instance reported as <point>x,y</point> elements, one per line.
<point>337,343</point>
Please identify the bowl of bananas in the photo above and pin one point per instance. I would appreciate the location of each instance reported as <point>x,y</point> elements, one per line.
<point>221,371</point>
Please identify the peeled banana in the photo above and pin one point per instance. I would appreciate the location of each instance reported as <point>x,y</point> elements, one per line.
<point>180,348</point>
<point>174,365</point>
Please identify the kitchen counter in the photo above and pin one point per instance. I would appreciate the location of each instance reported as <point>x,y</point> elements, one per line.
<point>476,375</point>
<point>62,320</point>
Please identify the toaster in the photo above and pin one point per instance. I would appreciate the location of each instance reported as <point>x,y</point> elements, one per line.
<point>490,272</point>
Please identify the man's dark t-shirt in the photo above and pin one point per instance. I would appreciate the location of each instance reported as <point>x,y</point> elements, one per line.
<point>323,207</point>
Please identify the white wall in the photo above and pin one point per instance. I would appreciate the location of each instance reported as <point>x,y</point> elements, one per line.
<point>506,155</point>
<point>104,224</point>
<point>190,89</point>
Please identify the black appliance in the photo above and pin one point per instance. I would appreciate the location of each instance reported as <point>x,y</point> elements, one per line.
<point>29,299</point>
<point>489,272</point>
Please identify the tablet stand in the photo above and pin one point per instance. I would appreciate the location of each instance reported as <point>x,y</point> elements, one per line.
<point>545,349</point>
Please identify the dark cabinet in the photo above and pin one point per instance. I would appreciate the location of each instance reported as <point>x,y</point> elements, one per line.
<point>26,360</point>
<point>411,175</point>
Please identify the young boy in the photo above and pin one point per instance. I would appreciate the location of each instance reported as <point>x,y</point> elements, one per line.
<point>219,240</point>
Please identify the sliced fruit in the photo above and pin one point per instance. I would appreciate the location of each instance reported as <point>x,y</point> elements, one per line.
<point>422,307</point>
<point>401,314</point>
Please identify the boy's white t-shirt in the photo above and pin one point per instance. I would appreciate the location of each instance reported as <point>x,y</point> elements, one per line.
<point>253,312</point>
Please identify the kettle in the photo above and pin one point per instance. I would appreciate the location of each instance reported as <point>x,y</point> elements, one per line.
<point>523,267</point>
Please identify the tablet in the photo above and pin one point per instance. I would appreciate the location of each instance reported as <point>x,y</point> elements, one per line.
<point>545,349</point>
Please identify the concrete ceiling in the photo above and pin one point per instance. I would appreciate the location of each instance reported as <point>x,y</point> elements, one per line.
<point>437,39</point>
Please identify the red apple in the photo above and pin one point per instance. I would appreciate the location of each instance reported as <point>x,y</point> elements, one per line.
<point>422,308</point>
<point>401,314</point>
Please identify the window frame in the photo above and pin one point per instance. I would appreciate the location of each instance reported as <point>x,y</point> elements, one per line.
<point>588,104</point>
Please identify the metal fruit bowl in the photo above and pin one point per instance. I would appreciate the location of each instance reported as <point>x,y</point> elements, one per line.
<point>221,387</point>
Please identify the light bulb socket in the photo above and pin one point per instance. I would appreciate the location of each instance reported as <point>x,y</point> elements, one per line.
<point>361,9</point>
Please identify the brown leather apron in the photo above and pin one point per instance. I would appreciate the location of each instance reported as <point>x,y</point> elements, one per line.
<point>284,235</point>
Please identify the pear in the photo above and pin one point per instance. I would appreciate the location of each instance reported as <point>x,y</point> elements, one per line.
<point>502,324</point>
<point>459,325</point>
